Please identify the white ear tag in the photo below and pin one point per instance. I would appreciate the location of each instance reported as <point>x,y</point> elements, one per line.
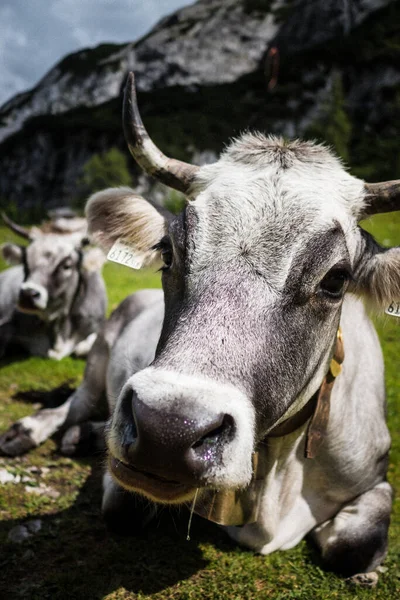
<point>124,254</point>
<point>393,309</point>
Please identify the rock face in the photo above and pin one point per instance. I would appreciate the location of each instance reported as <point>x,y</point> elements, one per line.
<point>212,42</point>
<point>323,21</point>
<point>203,74</point>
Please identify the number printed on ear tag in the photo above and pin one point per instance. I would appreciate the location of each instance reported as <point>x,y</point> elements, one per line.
<point>393,309</point>
<point>124,254</point>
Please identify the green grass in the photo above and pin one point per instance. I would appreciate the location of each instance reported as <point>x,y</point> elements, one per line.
<point>73,556</point>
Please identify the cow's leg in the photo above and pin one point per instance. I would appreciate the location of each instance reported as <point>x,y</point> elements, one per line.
<point>354,542</point>
<point>83,348</point>
<point>29,432</point>
<point>125,513</point>
<point>84,438</point>
<point>61,349</point>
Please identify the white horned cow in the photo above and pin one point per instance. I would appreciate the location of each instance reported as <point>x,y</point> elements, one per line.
<point>235,407</point>
<point>53,300</point>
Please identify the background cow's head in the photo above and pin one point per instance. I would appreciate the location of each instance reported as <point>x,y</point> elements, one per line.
<point>255,272</point>
<point>53,266</point>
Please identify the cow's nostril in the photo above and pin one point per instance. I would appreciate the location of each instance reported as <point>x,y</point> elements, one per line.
<point>219,432</point>
<point>31,293</point>
<point>129,429</point>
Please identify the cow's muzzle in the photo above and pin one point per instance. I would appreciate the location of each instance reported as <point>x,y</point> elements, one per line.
<point>165,452</point>
<point>169,448</point>
<point>32,298</point>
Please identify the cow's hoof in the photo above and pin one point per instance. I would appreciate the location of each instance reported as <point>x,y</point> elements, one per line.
<point>16,441</point>
<point>369,580</point>
<point>84,347</point>
<point>56,355</point>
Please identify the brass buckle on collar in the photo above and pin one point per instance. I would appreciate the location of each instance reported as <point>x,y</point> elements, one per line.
<point>234,507</point>
<point>336,363</point>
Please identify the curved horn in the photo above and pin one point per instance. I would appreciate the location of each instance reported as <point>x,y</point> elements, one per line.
<point>381,197</point>
<point>172,172</point>
<point>18,229</point>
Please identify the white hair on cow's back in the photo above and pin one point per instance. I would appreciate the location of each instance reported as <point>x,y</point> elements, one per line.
<point>119,213</point>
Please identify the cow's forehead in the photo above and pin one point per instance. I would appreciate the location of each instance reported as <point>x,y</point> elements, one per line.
<point>271,176</point>
<point>266,194</point>
<point>47,251</point>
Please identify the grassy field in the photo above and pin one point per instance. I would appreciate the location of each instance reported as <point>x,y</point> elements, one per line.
<point>73,555</point>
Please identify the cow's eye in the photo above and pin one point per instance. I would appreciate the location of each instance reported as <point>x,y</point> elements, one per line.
<point>66,265</point>
<point>334,282</point>
<point>166,256</point>
<point>165,249</point>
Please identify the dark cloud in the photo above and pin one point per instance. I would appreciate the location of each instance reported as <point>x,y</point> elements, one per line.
<point>34,35</point>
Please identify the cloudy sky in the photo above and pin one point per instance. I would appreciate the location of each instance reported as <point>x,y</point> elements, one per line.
<point>35,34</point>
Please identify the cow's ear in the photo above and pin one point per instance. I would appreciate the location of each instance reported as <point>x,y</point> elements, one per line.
<point>120,214</point>
<point>93,260</point>
<point>12,253</point>
<point>377,276</point>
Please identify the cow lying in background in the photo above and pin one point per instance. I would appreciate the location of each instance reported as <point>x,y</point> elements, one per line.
<point>138,317</point>
<point>239,413</point>
<point>53,302</point>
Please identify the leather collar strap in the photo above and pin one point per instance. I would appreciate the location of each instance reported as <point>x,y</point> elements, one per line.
<point>319,422</point>
<point>317,408</point>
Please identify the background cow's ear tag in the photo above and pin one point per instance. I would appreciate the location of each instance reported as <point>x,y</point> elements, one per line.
<point>393,309</point>
<point>124,254</point>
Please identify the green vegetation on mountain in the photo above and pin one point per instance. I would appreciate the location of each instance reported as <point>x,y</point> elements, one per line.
<point>334,126</point>
<point>108,169</point>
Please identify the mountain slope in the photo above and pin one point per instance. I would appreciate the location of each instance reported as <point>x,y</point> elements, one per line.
<point>202,77</point>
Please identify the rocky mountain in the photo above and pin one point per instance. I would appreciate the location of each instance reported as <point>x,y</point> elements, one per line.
<point>203,76</point>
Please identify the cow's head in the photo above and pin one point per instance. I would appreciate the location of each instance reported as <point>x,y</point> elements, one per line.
<point>53,265</point>
<point>255,272</point>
